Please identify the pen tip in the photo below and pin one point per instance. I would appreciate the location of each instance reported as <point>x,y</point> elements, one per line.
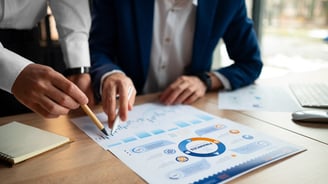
<point>104,131</point>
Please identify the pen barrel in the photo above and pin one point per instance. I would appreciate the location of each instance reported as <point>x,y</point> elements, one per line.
<point>93,117</point>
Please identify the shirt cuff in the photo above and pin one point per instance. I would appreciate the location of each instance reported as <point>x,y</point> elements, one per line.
<point>104,76</point>
<point>11,65</point>
<point>224,80</point>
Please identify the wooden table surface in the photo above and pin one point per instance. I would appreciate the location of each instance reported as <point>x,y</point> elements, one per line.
<point>84,161</point>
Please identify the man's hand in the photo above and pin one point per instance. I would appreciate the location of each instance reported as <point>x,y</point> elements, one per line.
<point>117,84</point>
<point>185,90</point>
<point>83,81</point>
<point>46,91</point>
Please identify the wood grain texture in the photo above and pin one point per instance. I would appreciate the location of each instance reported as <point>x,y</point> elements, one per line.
<point>83,161</point>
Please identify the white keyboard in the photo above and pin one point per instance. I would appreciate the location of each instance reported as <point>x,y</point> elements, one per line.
<point>311,94</point>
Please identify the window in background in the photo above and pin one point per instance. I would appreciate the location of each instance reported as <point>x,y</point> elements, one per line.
<point>293,36</point>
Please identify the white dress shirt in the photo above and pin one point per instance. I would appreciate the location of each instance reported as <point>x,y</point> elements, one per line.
<point>73,23</point>
<point>172,43</point>
<point>173,31</point>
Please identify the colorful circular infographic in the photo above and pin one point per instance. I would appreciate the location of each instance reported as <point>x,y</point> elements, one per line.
<point>202,147</point>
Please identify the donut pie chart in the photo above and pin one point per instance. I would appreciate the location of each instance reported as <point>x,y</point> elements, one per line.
<point>202,147</point>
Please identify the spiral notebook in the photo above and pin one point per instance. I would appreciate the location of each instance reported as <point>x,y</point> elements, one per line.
<point>19,142</point>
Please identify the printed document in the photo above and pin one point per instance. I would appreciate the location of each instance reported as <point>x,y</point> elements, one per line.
<point>182,144</point>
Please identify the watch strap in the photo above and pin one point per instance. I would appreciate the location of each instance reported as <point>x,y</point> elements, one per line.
<point>206,79</point>
<point>77,70</point>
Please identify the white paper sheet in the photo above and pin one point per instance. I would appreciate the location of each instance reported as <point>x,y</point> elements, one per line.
<point>181,144</point>
<point>259,98</point>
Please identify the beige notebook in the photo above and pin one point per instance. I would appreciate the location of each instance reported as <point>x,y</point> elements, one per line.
<point>19,142</point>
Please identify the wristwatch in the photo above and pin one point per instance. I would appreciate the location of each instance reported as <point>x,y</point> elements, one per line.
<point>206,79</point>
<point>77,70</point>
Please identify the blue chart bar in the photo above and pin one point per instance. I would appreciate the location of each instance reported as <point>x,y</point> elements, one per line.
<point>205,117</point>
<point>115,144</point>
<point>143,134</point>
<point>209,129</point>
<point>171,129</point>
<point>196,121</point>
<point>129,139</point>
<point>182,124</point>
<point>158,131</point>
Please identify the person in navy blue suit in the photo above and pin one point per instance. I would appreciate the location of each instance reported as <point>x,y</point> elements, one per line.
<point>167,46</point>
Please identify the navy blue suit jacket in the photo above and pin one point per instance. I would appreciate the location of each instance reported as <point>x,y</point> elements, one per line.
<point>121,37</point>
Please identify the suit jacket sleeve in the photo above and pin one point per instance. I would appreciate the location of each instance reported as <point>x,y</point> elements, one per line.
<point>242,47</point>
<point>101,42</point>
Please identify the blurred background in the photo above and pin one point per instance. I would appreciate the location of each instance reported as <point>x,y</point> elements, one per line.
<point>293,35</point>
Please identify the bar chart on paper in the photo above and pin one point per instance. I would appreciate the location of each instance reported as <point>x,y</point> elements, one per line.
<point>186,145</point>
<point>146,122</point>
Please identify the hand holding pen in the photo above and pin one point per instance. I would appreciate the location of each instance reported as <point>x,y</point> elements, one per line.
<point>116,86</point>
<point>117,118</point>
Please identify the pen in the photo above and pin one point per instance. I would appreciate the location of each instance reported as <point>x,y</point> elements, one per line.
<point>94,118</point>
<point>117,118</point>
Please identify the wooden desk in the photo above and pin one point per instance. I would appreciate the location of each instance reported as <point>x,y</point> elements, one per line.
<point>284,120</point>
<point>315,131</point>
<point>83,161</point>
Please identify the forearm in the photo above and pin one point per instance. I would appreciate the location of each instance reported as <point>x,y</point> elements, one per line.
<point>219,81</point>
